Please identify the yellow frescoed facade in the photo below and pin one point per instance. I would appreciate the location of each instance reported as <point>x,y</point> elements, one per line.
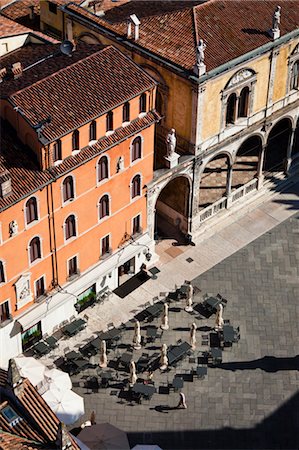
<point>235,114</point>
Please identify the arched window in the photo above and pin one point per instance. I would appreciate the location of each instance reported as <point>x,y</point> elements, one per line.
<point>103,168</point>
<point>93,131</point>
<point>295,76</point>
<point>57,152</point>
<point>136,186</point>
<point>126,112</point>
<point>68,188</point>
<point>34,249</point>
<point>109,121</point>
<point>2,276</point>
<point>142,103</point>
<point>136,148</point>
<point>104,207</point>
<point>31,210</point>
<point>75,140</point>
<point>231,109</point>
<point>243,102</point>
<point>70,226</point>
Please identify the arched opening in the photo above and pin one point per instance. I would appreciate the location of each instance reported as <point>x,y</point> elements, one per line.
<point>89,38</point>
<point>243,102</point>
<point>246,164</point>
<point>172,209</point>
<point>231,109</point>
<point>295,149</point>
<point>277,146</point>
<point>213,181</point>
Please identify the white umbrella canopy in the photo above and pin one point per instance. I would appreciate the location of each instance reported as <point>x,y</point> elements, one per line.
<point>30,368</point>
<point>67,405</point>
<point>104,436</point>
<point>58,379</point>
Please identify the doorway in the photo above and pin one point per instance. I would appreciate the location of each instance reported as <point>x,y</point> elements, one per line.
<point>126,271</point>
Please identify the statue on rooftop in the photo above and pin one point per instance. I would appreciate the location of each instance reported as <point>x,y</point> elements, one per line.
<point>200,52</point>
<point>276,19</point>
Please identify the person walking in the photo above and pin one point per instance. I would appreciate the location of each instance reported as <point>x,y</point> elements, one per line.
<point>182,403</point>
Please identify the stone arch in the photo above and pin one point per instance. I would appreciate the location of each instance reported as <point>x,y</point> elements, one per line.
<point>277,146</point>
<point>214,179</point>
<point>246,161</point>
<point>173,208</point>
<point>89,38</point>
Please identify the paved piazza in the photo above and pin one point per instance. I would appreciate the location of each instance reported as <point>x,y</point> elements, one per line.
<point>252,400</point>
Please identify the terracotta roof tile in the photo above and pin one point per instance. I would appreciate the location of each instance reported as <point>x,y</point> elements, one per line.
<point>20,8</point>
<point>11,28</point>
<point>37,423</point>
<point>110,78</point>
<point>230,28</point>
<point>27,178</point>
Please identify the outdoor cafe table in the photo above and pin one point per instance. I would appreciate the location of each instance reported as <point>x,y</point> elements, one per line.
<point>41,348</point>
<point>109,335</point>
<point>151,332</point>
<point>175,353</point>
<point>74,327</point>
<point>150,312</point>
<point>211,303</point>
<point>145,389</point>
<point>228,333</point>
<point>73,355</point>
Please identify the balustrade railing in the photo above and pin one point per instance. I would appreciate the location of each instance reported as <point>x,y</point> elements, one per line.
<point>213,209</point>
<point>244,190</point>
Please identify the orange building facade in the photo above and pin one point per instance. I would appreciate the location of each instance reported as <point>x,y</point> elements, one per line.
<point>78,148</point>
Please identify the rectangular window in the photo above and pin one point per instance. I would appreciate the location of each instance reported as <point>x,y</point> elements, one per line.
<point>57,151</point>
<point>73,266</point>
<point>137,224</point>
<point>52,8</point>
<point>105,245</point>
<point>39,287</point>
<point>4,311</point>
<point>2,277</point>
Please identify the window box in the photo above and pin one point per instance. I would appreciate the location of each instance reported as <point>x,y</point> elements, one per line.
<point>85,302</point>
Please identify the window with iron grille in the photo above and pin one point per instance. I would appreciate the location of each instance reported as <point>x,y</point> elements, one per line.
<point>4,311</point>
<point>295,76</point>
<point>68,188</point>
<point>31,210</point>
<point>104,207</point>
<point>70,226</point>
<point>136,148</point>
<point>103,168</point>
<point>52,8</point>
<point>39,287</point>
<point>35,249</point>
<point>136,186</point>
<point>73,266</point>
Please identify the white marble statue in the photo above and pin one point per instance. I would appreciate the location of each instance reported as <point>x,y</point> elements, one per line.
<point>200,53</point>
<point>276,19</point>
<point>171,142</point>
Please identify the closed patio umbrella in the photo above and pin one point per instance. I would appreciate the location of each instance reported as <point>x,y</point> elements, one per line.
<point>104,436</point>
<point>30,368</point>
<point>67,405</point>
<point>57,378</point>
<point>137,336</point>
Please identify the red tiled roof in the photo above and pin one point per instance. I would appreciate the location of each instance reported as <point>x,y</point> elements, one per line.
<point>110,78</point>
<point>170,29</point>
<point>11,28</point>
<point>31,53</point>
<point>38,423</point>
<point>9,441</point>
<point>20,8</point>
<point>27,178</point>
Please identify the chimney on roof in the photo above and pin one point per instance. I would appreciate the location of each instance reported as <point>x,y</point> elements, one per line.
<point>274,33</point>
<point>5,184</point>
<point>17,70</point>
<point>31,12</point>
<point>133,20</point>
<point>63,440</point>
<point>14,378</point>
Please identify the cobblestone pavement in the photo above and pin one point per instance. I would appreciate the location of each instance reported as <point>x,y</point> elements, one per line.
<point>252,400</point>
